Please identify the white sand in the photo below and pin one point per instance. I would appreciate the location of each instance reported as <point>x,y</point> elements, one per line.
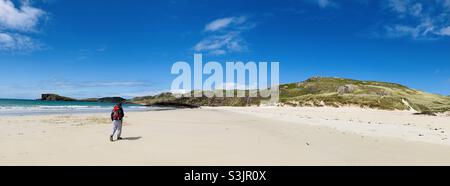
<point>229,136</point>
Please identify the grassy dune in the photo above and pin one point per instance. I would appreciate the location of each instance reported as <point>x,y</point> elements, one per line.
<point>321,91</point>
<point>325,91</point>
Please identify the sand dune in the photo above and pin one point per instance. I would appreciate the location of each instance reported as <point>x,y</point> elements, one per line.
<point>229,136</point>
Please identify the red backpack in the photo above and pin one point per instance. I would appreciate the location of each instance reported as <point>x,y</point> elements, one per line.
<point>116,113</point>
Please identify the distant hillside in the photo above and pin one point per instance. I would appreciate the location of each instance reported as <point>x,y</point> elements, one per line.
<point>105,100</point>
<point>320,91</point>
<point>167,99</point>
<point>325,91</point>
<point>55,97</point>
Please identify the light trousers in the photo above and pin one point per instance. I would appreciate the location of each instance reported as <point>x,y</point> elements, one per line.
<point>117,127</point>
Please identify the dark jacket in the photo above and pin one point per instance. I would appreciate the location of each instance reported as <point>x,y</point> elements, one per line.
<point>121,113</point>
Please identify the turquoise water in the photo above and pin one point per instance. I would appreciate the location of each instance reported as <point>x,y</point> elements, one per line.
<point>25,107</point>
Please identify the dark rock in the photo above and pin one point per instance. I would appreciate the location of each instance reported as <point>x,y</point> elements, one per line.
<point>55,97</point>
<point>427,113</point>
<point>174,105</point>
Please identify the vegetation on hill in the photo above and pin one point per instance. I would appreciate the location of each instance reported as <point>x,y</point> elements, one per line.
<point>55,97</point>
<point>168,99</point>
<point>326,91</point>
<point>105,100</point>
<point>319,91</point>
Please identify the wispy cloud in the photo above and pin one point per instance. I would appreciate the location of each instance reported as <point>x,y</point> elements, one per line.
<point>322,3</point>
<point>224,23</point>
<point>12,42</point>
<point>95,84</point>
<point>102,49</point>
<point>222,44</point>
<point>15,25</point>
<point>79,89</point>
<point>218,24</point>
<point>418,19</point>
<point>445,31</point>
<point>224,35</point>
<point>87,53</point>
<point>326,3</point>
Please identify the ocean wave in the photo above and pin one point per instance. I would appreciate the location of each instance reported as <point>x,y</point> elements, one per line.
<point>66,109</point>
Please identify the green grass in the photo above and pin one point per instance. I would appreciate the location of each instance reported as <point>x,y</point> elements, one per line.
<point>319,91</point>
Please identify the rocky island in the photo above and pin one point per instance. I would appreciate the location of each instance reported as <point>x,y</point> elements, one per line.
<point>56,97</point>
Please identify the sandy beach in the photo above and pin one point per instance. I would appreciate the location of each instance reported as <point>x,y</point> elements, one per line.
<point>230,136</point>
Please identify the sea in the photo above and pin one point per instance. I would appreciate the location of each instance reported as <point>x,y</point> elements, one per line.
<point>38,107</point>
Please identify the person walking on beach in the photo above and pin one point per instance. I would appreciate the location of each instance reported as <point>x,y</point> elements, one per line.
<point>117,115</point>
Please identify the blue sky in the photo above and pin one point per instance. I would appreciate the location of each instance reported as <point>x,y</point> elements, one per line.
<point>126,48</point>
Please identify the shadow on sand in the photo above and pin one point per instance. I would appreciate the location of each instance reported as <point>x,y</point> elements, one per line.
<point>132,138</point>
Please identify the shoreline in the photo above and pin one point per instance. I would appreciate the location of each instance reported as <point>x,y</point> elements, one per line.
<point>68,111</point>
<point>221,136</point>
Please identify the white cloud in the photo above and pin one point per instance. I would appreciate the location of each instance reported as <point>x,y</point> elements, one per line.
<point>416,9</point>
<point>445,31</point>
<point>406,7</point>
<point>418,20</point>
<point>102,49</point>
<point>16,42</point>
<point>400,6</point>
<point>220,44</point>
<point>222,23</point>
<point>218,24</point>
<point>325,3</point>
<point>15,25</point>
<point>24,18</point>
<point>6,38</point>
<point>224,35</point>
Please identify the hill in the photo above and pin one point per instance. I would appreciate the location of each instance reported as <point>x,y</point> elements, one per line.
<point>337,92</point>
<point>56,97</point>
<point>168,99</point>
<point>105,100</point>
<point>327,91</point>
